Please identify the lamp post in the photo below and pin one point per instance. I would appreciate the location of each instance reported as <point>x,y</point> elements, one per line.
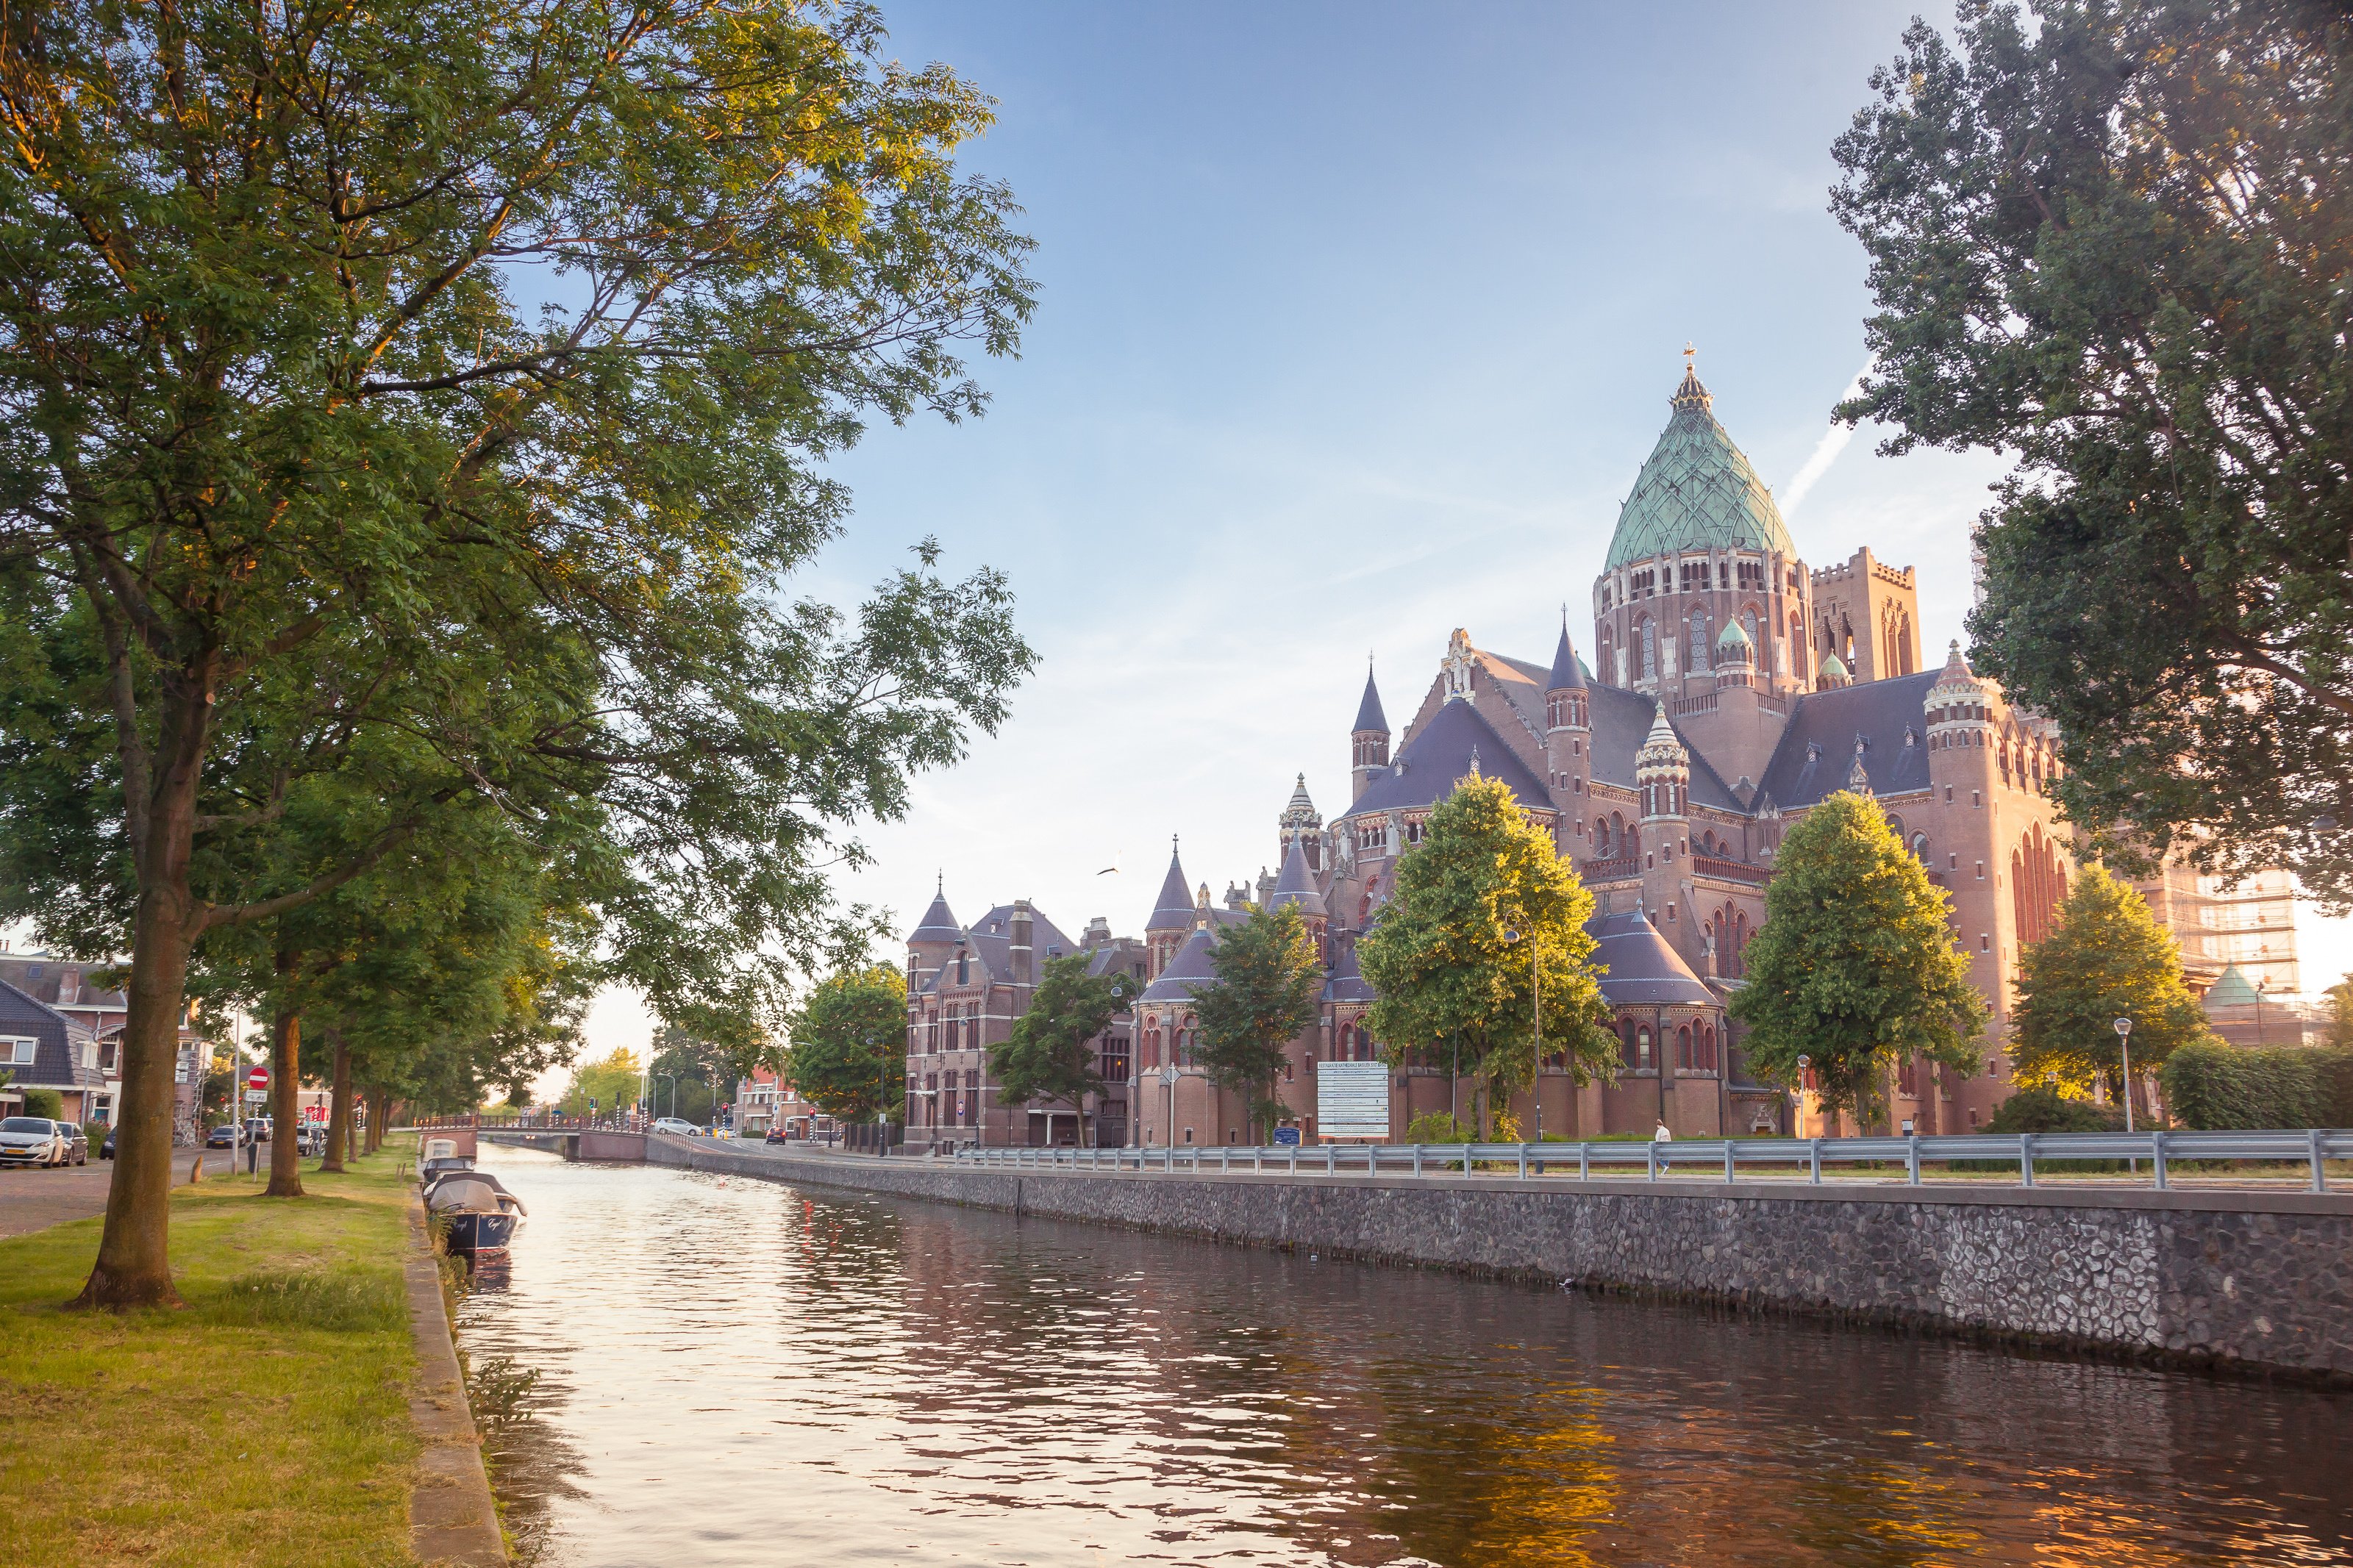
<point>1168,1079</point>
<point>1798,1097</point>
<point>2124,1043</point>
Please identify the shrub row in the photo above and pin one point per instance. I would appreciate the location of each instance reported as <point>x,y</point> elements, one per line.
<point>2215,1086</point>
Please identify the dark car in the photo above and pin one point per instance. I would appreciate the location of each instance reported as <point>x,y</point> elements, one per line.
<point>77,1143</point>
<point>106,1147</point>
<point>222,1137</point>
<point>775,1135</point>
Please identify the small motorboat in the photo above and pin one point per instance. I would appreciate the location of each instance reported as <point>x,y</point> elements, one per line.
<point>475,1212</point>
<point>438,1157</point>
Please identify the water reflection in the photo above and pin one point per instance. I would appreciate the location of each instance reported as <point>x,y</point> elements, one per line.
<point>731,1372</point>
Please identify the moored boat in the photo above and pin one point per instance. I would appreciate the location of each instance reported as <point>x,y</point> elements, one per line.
<point>476,1213</point>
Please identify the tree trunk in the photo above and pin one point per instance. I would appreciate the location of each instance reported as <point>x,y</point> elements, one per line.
<point>340,1119</point>
<point>134,1258</point>
<point>285,1080</point>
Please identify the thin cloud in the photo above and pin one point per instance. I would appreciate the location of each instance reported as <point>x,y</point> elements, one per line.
<point>1826,450</point>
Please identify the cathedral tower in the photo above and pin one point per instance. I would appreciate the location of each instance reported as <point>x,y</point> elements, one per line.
<point>1569,744</point>
<point>1368,744</point>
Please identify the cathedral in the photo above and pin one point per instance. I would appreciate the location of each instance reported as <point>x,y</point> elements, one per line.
<point>1729,688</point>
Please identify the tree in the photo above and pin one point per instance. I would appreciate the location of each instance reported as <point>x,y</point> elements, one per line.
<point>1051,1052</point>
<point>2107,958</point>
<point>2341,1014</point>
<point>848,1056</point>
<point>1854,967</point>
<point>603,1086</point>
<point>1444,958</point>
<point>1269,988</point>
<point>2113,244</point>
<point>463,376</point>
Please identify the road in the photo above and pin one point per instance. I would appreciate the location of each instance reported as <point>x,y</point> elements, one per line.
<point>33,1198</point>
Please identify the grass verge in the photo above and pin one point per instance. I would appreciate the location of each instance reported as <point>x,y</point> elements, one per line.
<point>265,1423</point>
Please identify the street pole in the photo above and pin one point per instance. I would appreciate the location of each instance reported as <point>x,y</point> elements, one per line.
<point>1797,1098</point>
<point>2124,1043</point>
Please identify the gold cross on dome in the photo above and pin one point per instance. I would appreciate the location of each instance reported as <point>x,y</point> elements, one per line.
<point>1688,351</point>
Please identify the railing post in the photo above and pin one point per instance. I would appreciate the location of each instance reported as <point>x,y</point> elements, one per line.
<point>1814,1162</point>
<point>1911,1158</point>
<point>2156,1158</point>
<point>2026,1159</point>
<point>1372,1159</point>
<point>1466,1159</point>
<point>1584,1160</point>
<point>1650,1159</point>
<point>1417,1159</point>
<point>1524,1162</point>
<point>1729,1174</point>
<point>2319,1166</point>
<point>1294,1161</point>
<point>1332,1158</point>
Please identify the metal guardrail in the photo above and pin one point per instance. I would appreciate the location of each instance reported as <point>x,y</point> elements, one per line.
<point>2311,1149</point>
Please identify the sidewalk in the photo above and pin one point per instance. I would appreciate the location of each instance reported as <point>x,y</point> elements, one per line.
<point>33,1198</point>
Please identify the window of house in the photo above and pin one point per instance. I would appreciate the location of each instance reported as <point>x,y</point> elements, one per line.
<point>20,1052</point>
<point>1189,1136</point>
<point>1977,798</point>
<point>1985,943</point>
<point>1981,870</point>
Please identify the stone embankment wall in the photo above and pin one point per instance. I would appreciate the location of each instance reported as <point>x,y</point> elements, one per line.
<point>2261,1278</point>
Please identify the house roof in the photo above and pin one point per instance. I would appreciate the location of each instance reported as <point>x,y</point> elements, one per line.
<point>1174,908</point>
<point>2231,989</point>
<point>1439,753</point>
<point>57,1059</point>
<point>1816,755</point>
<point>1621,722</point>
<point>1697,492</point>
<point>939,922</point>
<point>1567,672</point>
<point>1347,982</point>
<point>1642,968</point>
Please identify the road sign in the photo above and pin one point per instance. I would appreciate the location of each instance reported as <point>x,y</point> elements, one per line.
<point>256,1078</point>
<point>1286,1137</point>
<point>1351,1100</point>
<point>256,1096</point>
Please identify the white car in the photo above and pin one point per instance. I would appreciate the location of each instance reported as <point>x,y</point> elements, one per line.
<point>31,1141</point>
<point>678,1125</point>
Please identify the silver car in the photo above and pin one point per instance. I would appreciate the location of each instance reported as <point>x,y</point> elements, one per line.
<point>31,1141</point>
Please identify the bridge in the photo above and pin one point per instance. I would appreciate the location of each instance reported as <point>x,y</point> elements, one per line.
<point>598,1138</point>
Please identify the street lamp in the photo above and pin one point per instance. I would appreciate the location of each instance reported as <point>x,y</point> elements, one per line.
<point>1168,1079</point>
<point>1536,1005</point>
<point>1798,1096</point>
<point>2124,1043</point>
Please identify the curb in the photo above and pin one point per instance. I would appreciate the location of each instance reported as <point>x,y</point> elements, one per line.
<point>452,1521</point>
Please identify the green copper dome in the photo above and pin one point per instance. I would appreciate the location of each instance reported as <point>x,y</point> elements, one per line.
<point>1697,492</point>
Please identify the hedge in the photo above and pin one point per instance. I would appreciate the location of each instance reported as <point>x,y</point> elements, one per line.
<point>2215,1086</point>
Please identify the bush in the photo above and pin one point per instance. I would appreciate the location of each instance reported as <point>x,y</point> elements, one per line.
<point>44,1102</point>
<point>1438,1127</point>
<point>2042,1108</point>
<point>96,1133</point>
<point>2215,1086</point>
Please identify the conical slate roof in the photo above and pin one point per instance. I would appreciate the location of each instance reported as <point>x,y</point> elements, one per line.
<point>1295,886</point>
<point>1300,811</point>
<point>1696,492</point>
<point>1173,911</point>
<point>1347,983</point>
<point>1640,966</point>
<point>1368,713</point>
<point>1188,967</point>
<point>1565,673</point>
<point>938,923</point>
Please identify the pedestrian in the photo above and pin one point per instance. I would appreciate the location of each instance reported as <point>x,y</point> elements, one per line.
<point>1662,1136</point>
<point>252,1153</point>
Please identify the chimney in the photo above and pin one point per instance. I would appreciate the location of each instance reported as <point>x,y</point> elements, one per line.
<point>1020,951</point>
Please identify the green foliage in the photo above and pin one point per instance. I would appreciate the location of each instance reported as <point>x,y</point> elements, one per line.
<point>1438,1127</point>
<point>1268,991</point>
<point>2109,243</point>
<point>318,529</point>
<point>2105,958</point>
<point>338,1303</point>
<point>614,1081</point>
<point>2214,1086</point>
<point>2043,1107</point>
<point>1052,1051</point>
<point>849,1047</point>
<point>44,1102</point>
<point>1439,956</point>
<point>2341,1014</point>
<point>1854,966</point>
<point>96,1133</point>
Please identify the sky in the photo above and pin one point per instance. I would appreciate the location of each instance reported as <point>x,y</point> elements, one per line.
<point>1356,324</point>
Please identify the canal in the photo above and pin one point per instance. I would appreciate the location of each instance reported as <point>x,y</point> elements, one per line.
<point>679,1367</point>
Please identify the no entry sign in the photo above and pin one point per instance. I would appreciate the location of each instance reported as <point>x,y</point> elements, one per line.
<point>257,1077</point>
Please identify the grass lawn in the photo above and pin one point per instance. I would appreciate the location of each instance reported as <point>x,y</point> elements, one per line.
<point>267,1423</point>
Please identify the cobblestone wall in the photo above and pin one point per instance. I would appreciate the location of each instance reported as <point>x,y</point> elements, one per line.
<point>2264,1279</point>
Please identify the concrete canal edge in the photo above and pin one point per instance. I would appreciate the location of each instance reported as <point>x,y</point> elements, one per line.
<point>2251,1281</point>
<point>452,1521</point>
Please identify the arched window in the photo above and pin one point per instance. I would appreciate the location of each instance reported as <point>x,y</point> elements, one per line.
<point>1797,645</point>
<point>1642,1045</point>
<point>1650,651</point>
<point>2036,884</point>
<point>1151,1044</point>
<point>1699,639</point>
<point>1684,1049</point>
<point>1920,848</point>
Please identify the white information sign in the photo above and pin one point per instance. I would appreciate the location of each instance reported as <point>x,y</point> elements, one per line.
<point>256,1096</point>
<point>1351,1100</point>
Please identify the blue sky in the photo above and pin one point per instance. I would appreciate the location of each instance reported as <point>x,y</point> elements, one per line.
<point>1356,322</point>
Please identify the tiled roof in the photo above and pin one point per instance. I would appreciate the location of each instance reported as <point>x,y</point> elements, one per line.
<point>1621,722</point>
<point>1642,968</point>
<point>938,924</point>
<point>1296,885</point>
<point>1697,491</point>
<point>57,1058</point>
<point>1368,711</point>
<point>1188,968</point>
<point>1174,909</point>
<point>1439,753</point>
<point>1567,672</point>
<point>1816,752</point>
<point>1347,983</point>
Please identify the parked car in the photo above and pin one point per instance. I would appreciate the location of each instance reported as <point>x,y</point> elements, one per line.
<point>775,1135</point>
<point>77,1143</point>
<point>31,1141</point>
<point>257,1129</point>
<point>222,1137</point>
<point>314,1138</point>
<point>678,1125</point>
<point>106,1148</point>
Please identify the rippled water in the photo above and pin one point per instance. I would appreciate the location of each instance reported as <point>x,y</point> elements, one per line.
<point>732,1372</point>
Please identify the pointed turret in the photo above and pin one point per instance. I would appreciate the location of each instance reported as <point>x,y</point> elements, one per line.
<point>1369,743</point>
<point>1568,674</point>
<point>934,939</point>
<point>1662,768</point>
<point>1300,824</point>
<point>1173,911</point>
<point>1297,886</point>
